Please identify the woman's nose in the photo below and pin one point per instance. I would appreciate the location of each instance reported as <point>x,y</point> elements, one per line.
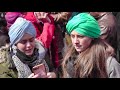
<point>28,44</point>
<point>76,40</point>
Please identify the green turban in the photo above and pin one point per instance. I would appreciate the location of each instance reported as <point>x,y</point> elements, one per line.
<point>84,24</point>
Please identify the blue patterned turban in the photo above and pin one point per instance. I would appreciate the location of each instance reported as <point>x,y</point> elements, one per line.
<point>19,28</point>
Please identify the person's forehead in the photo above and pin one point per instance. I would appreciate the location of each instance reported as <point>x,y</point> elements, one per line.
<point>26,36</point>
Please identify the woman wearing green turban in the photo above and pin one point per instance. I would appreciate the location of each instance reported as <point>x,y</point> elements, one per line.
<point>88,56</point>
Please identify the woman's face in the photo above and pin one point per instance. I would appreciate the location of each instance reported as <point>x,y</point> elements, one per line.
<point>80,42</point>
<point>26,44</point>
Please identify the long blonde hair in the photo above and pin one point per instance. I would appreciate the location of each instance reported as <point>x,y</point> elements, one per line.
<point>90,63</point>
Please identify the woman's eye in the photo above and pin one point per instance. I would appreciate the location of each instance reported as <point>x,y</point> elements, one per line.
<point>79,36</point>
<point>72,36</point>
<point>23,41</point>
<point>31,40</point>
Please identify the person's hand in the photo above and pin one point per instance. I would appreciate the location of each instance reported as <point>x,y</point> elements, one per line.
<point>37,75</point>
<point>51,75</point>
<point>31,75</point>
<point>39,71</point>
<point>42,16</point>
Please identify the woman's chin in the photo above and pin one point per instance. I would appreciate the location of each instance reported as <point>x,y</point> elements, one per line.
<point>29,53</point>
<point>79,49</point>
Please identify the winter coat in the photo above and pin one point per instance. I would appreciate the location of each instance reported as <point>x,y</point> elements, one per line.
<point>108,27</point>
<point>6,64</point>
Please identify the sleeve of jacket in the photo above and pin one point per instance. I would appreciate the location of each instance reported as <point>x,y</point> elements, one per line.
<point>47,34</point>
<point>113,68</point>
<point>5,64</point>
<point>108,26</point>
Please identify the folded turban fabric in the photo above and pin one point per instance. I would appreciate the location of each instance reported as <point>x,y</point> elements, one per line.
<point>19,28</point>
<point>84,24</point>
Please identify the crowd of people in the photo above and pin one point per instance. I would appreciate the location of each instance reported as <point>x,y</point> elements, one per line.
<point>59,45</point>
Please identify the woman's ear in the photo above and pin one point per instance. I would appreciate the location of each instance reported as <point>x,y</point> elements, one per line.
<point>93,39</point>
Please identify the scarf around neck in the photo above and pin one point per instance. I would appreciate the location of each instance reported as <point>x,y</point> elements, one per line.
<point>25,58</point>
<point>24,63</point>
